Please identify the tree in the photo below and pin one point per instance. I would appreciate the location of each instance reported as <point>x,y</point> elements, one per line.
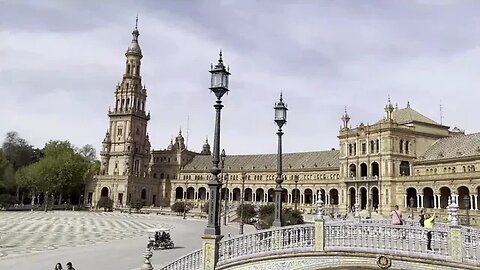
<point>88,152</point>
<point>18,151</point>
<point>106,203</point>
<point>7,182</point>
<point>248,212</point>
<point>137,204</point>
<point>267,215</point>
<point>179,207</point>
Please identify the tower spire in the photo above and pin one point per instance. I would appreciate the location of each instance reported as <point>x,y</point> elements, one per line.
<point>136,23</point>
<point>345,119</point>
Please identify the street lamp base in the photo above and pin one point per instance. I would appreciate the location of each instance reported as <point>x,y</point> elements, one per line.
<point>277,223</point>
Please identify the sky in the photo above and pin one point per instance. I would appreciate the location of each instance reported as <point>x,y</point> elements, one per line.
<point>61,60</point>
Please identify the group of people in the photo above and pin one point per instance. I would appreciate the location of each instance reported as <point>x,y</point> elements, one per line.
<point>426,221</point>
<point>58,266</point>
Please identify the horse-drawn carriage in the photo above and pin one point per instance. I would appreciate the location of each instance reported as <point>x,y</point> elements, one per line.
<point>160,240</point>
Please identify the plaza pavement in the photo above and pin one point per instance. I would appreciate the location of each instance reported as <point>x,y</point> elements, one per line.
<point>93,240</point>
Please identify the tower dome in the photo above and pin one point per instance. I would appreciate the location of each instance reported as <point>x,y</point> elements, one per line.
<point>206,148</point>
<point>134,48</point>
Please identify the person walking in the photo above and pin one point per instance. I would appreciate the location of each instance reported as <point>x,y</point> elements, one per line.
<point>396,216</point>
<point>69,266</point>
<point>429,225</point>
<point>58,266</point>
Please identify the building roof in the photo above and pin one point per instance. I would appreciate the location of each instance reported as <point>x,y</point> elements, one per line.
<point>408,115</point>
<point>453,147</point>
<point>311,160</point>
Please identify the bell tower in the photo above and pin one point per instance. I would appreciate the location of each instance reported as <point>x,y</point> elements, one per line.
<point>126,147</point>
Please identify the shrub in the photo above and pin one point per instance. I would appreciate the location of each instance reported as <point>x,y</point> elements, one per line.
<point>106,203</point>
<point>267,216</point>
<point>248,212</point>
<point>180,206</point>
<point>7,200</point>
<point>137,204</point>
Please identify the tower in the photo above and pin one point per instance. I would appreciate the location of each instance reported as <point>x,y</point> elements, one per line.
<point>345,119</point>
<point>126,147</point>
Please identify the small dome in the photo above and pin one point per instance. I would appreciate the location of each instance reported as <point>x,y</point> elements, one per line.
<point>134,47</point>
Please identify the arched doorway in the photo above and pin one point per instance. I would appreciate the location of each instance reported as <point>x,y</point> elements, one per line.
<point>411,193</point>
<point>353,195</point>
<point>202,193</point>
<point>353,170</point>
<point>444,194</point>
<point>363,198</point>
<point>333,196</point>
<point>308,196</point>
<point>462,193</point>
<point>236,194</point>
<point>259,194</point>
<point>223,193</point>
<point>248,195</point>
<point>143,194</point>
<point>375,169</point>
<point>104,192</point>
<point>375,197</point>
<point>428,198</point>
<point>179,193</point>
<point>270,194</point>
<point>363,170</point>
<point>404,168</point>
<point>284,195</point>
<point>296,196</point>
<point>190,193</point>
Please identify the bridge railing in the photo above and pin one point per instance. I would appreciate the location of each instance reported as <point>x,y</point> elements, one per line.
<point>191,261</point>
<point>471,242</point>
<point>287,239</point>
<point>388,239</point>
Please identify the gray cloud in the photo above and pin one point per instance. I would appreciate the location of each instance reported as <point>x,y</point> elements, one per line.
<point>61,61</point>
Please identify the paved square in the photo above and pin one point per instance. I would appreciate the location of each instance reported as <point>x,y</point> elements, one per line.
<point>91,240</point>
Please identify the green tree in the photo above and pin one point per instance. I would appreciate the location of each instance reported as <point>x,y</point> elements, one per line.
<point>267,215</point>
<point>106,203</point>
<point>18,151</point>
<point>88,152</point>
<point>248,212</point>
<point>179,207</point>
<point>137,204</point>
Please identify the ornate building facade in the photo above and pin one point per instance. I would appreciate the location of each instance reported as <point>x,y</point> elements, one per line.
<point>404,159</point>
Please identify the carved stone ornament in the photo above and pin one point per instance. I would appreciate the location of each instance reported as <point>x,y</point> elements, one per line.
<point>384,262</point>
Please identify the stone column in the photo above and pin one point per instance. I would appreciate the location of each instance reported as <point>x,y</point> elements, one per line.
<point>147,265</point>
<point>456,248</point>
<point>418,200</point>
<point>434,201</point>
<point>405,200</point>
<point>476,201</point>
<point>319,227</point>
<point>210,251</point>
<point>421,201</point>
<point>472,202</point>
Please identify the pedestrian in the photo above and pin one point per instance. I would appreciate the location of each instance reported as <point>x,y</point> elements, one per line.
<point>428,223</point>
<point>69,266</point>
<point>396,216</point>
<point>58,266</point>
<point>422,218</point>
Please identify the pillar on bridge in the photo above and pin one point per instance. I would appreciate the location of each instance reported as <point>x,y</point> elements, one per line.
<point>456,243</point>
<point>147,265</point>
<point>319,226</point>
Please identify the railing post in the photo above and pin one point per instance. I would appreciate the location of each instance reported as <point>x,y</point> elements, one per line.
<point>456,247</point>
<point>146,264</point>
<point>319,227</point>
<point>210,251</point>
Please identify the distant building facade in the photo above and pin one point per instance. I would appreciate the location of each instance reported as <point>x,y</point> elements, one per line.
<point>402,156</point>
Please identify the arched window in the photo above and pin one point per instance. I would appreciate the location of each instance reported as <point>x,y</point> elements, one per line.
<point>138,70</point>
<point>401,146</point>
<point>128,68</point>
<point>406,147</point>
<point>377,145</point>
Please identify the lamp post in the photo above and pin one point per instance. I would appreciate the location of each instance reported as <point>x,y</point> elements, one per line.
<point>185,200</point>
<point>241,202</point>
<point>219,86</point>
<point>466,202</point>
<point>222,165</point>
<point>296,191</point>
<point>280,118</point>
<point>227,197</point>
<point>412,201</point>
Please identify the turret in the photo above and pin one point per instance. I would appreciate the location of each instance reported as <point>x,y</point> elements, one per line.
<point>389,110</point>
<point>345,119</point>
<point>206,148</point>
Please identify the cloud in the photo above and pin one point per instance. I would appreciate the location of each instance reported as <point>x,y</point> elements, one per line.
<point>61,61</point>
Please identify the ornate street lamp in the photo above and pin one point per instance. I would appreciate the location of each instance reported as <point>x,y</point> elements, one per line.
<point>280,118</point>
<point>466,202</point>
<point>412,201</point>
<point>219,86</point>
<point>227,197</point>
<point>222,164</point>
<point>296,190</point>
<point>242,202</point>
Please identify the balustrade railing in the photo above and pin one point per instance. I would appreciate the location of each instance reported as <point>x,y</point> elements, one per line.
<point>386,238</point>
<point>297,238</point>
<point>191,261</point>
<point>471,245</point>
